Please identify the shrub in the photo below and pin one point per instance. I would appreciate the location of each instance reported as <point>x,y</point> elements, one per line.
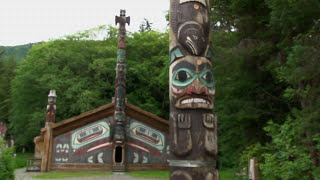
<point>7,162</point>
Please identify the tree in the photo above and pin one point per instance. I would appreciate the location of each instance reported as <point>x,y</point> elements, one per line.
<point>145,26</point>
<point>82,71</point>
<point>270,97</point>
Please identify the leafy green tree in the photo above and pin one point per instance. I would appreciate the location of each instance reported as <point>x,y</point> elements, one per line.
<point>266,61</point>
<point>7,67</point>
<point>82,71</point>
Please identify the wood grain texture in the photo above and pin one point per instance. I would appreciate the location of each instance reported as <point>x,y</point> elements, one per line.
<point>46,146</point>
<point>193,127</point>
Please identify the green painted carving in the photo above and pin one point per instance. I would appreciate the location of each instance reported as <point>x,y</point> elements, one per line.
<point>147,134</point>
<point>184,76</point>
<point>81,137</point>
<point>175,53</point>
<point>121,55</point>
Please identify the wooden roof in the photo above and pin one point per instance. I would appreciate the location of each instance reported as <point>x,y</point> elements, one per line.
<point>106,111</point>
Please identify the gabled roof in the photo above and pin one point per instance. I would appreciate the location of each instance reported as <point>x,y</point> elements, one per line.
<point>105,111</point>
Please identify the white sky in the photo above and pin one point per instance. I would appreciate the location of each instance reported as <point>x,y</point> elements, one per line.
<point>26,21</point>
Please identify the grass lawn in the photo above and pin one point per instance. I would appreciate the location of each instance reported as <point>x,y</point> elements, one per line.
<point>228,174</point>
<point>225,174</point>
<point>149,174</point>
<point>57,175</point>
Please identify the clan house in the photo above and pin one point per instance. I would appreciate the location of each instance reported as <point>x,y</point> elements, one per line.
<point>114,137</point>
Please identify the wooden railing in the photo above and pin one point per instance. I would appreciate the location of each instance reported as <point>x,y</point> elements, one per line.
<point>33,164</point>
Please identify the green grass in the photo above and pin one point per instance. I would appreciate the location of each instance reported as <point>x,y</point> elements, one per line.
<point>21,159</point>
<point>58,175</point>
<point>225,174</point>
<point>149,174</point>
<point>228,174</point>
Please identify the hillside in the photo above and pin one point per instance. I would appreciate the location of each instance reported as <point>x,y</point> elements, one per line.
<point>18,52</point>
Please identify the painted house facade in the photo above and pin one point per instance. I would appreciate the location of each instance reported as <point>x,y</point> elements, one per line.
<point>84,142</point>
<point>114,137</point>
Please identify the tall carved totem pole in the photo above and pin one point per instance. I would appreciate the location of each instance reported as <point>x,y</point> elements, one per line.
<point>193,127</point>
<point>120,95</point>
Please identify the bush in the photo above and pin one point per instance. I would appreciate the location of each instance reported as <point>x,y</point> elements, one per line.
<point>7,162</point>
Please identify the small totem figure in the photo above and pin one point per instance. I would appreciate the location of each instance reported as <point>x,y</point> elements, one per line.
<point>193,127</point>
<point>51,107</point>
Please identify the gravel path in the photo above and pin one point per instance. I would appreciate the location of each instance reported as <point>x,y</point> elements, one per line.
<point>21,174</point>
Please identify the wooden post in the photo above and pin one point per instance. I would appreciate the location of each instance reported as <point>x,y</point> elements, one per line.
<point>47,130</point>
<point>46,148</point>
<point>193,127</point>
<point>253,169</point>
<point>120,97</point>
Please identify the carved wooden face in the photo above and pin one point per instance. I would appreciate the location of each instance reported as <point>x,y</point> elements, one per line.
<point>190,21</point>
<point>192,83</point>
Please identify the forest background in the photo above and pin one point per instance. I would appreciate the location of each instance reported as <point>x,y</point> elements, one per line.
<point>266,65</point>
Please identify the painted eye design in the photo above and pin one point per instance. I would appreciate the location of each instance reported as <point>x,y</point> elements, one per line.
<point>183,76</point>
<point>208,77</point>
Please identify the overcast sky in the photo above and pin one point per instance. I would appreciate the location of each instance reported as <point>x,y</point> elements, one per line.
<point>26,21</point>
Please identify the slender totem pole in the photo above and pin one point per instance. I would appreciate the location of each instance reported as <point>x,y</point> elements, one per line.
<point>193,127</point>
<point>51,107</point>
<point>120,95</point>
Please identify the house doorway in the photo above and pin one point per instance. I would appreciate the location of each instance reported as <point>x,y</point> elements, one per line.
<point>118,158</point>
<point>118,154</point>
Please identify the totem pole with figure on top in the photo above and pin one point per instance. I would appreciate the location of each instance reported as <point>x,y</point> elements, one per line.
<point>51,107</point>
<point>193,127</point>
<point>120,96</point>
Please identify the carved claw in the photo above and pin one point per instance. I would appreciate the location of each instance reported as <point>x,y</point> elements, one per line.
<point>184,121</point>
<point>209,121</point>
<point>210,137</point>
<point>182,134</point>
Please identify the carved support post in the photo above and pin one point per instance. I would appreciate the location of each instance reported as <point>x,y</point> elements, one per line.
<point>46,148</point>
<point>193,127</point>
<point>120,96</point>
<point>51,107</point>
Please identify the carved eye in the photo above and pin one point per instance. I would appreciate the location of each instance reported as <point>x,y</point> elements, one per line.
<point>208,77</point>
<point>182,76</point>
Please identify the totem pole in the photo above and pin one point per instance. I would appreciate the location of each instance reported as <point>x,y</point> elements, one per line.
<point>51,107</point>
<point>120,96</point>
<point>193,127</point>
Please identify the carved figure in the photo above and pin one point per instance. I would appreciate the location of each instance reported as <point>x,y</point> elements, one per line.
<point>193,127</point>
<point>181,133</point>
<point>191,23</point>
<point>120,92</point>
<point>192,84</point>
<point>120,95</point>
<point>51,107</point>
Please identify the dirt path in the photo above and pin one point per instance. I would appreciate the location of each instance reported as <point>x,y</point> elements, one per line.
<point>21,174</point>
